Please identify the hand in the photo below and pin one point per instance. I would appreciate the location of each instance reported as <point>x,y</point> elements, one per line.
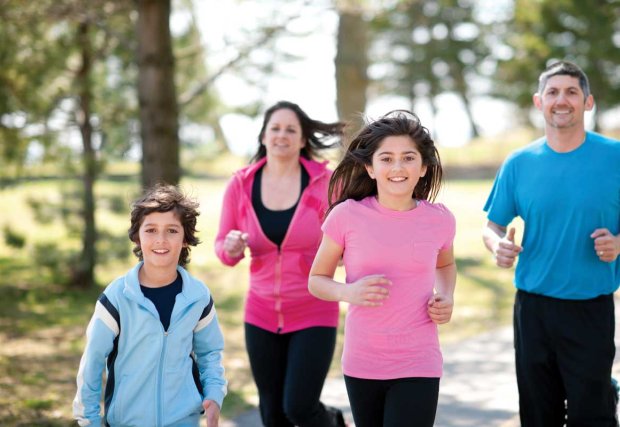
<point>235,243</point>
<point>440,308</point>
<point>606,245</point>
<point>506,251</point>
<point>369,291</point>
<point>212,411</point>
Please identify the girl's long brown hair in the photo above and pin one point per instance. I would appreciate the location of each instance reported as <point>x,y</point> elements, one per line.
<point>350,179</point>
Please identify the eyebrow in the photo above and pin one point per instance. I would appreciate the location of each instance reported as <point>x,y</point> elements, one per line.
<point>152,224</point>
<point>404,152</point>
<point>558,88</point>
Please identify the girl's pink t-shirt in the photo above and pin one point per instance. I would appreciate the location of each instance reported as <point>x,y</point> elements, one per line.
<point>397,339</point>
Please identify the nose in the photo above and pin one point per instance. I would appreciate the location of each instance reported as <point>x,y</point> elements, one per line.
<point>397,164</point>
<point>561,97</point>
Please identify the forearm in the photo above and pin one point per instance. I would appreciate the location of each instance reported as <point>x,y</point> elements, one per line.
<point>224,257</point>
<point>208,348</point>
<point>491,237</point>
<point>326,288</point>
<point>445,280</point>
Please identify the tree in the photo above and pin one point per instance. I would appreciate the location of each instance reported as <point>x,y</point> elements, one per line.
<point>351,63</point>
<point>544,31</point>
<point>159,117</point>
<point>427,48</point>
<point>67,42</point>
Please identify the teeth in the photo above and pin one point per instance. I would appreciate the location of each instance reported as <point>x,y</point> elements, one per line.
<point>160,251</point>
<point>398,179</point>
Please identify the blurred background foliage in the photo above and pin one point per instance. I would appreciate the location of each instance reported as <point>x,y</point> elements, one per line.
<point>92,109</point>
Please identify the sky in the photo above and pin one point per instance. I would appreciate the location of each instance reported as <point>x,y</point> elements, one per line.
<point>310,82</point>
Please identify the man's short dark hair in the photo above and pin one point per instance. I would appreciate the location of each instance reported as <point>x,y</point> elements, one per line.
<point>564,68</point>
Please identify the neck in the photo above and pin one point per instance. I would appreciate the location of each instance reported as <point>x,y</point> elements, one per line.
<point>277,167</point>
<point>156,278</point>
<point>398,203</point>
<point>564,140</point>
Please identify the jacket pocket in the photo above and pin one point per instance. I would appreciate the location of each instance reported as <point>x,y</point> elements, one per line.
<point>181,396</point>
<point>115,413</point>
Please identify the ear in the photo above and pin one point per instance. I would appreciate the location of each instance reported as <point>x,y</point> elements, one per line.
<point>537,101</point>
<point>423,171</point>
<point>589,102</point>
<point>370,170</point>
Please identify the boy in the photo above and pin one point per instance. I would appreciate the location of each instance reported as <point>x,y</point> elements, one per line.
<point>155,328</point>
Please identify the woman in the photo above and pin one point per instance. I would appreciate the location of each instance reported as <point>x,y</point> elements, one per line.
<point>275,207</point>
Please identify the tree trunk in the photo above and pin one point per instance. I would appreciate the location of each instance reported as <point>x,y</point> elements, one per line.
<point>458,73</point>
<point>351,67</point>
<point>157,94</point>
<point>84,272</point>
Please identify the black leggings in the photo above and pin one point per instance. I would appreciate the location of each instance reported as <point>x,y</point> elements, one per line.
<point>399,402</point>
<point>289,371</point>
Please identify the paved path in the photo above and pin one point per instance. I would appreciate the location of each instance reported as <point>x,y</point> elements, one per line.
<point>478,388</point>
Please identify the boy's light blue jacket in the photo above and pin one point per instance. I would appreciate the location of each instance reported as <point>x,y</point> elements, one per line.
<point>154,376</point>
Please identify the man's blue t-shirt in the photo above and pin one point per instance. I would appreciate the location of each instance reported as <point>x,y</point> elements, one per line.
<point>562,198</point>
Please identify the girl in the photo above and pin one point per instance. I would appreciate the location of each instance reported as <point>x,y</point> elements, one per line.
<point>396,247</point>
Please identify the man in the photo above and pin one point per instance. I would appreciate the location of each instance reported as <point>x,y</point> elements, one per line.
<point>566,188</point>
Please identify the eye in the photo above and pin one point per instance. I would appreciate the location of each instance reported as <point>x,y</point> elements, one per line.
<point>385,159</point>
<point>149,230</point>
<point>173,231</point>
<point>410,158</point>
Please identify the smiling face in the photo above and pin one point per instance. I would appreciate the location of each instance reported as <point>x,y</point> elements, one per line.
<point>283,134</point>
<point>161,238</point>
<point>397,166</point>
<point>563,102</point>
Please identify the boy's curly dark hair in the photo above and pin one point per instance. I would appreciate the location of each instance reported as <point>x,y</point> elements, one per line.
<point>165,198</point>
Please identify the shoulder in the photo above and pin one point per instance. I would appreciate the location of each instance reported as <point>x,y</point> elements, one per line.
<point>315,168</point>
<point>604,142</point>
<point>439,210</point>
<point>347,207</point>
<point>193,285</point>
<point>116,288</point>
<point>532,149</point>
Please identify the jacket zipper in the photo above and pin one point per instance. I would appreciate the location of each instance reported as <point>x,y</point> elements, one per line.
<point>278,266</point>
<point>278,278</point>
<point>276,291</point>
<point>160,369</point>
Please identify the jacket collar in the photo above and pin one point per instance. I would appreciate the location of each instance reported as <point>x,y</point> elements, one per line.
<point>315,169</point>
<point>188,295</point>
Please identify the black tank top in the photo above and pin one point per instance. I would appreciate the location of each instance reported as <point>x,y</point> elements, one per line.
<point>274,223</point>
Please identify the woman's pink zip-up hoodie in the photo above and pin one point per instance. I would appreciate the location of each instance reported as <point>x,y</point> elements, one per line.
<point>278,299</point>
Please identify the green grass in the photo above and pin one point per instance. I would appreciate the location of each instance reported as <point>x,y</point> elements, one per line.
<point>42,321</point>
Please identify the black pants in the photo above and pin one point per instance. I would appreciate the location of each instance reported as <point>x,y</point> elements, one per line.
<point>564,354</point>
<point>289,371</point>
<point>399,402</point>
